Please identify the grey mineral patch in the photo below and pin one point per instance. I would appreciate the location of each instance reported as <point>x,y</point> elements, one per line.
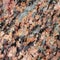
<point>36,30</point>
<point>20,16</point>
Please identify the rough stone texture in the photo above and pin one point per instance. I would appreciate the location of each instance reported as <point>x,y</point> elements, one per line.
<point>29,29</point>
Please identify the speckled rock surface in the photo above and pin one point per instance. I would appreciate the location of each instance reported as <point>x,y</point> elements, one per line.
<point>29,29</point>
